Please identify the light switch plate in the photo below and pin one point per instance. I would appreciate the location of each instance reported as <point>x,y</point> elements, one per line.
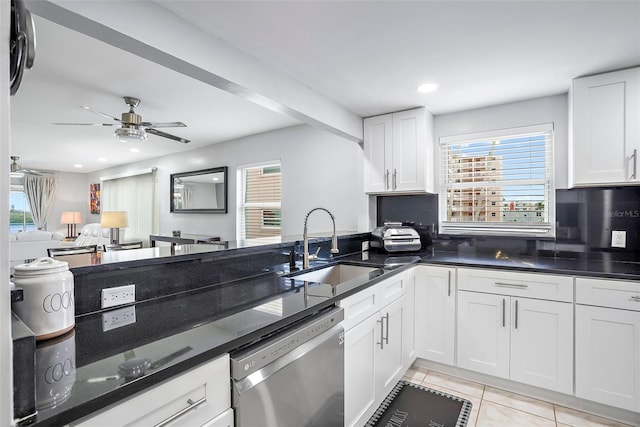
<point>618,239</point>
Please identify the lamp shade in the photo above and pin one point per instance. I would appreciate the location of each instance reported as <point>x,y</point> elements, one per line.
<point>71,218</point>
<point>114,219</point>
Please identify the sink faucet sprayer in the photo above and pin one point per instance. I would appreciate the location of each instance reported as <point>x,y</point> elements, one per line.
<point>334,239</point>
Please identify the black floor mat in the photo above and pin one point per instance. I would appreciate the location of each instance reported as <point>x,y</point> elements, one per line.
<point>416,406</point>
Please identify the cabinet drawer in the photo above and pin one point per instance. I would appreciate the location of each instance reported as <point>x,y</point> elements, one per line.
<point>192,398</point>
<point>608,293</point>
<point>529,285</point>
<point>359,306</point>
<point>392,288</point>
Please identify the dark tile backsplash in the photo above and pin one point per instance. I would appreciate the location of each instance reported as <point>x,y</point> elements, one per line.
<point>585,219</point>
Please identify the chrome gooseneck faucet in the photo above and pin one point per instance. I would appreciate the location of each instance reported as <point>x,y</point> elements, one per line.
<point>334,239</point>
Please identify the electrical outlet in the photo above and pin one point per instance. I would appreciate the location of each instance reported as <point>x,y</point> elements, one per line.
<point>118,295</point>
<point>618,239</point>
<point>117,318</point>
<point>365,246</point>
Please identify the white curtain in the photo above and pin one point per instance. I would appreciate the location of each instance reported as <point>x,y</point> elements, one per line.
<point>135,195</point>
<point>40,192</point>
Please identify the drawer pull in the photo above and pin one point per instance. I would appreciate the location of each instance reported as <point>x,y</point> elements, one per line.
<point>183,411</point>
<point>386,339</point>
<point>449,285</point>
<point>504,312</point>
<point>516,314</point>
<point>635,298</point>
<point>511,285</point>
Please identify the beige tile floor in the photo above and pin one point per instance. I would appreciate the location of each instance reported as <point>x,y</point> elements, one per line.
<point>493,407</point>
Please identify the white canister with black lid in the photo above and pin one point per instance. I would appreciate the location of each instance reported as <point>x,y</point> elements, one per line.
<point>47,307</point>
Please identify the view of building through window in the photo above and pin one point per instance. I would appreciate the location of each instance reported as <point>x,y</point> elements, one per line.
<point>260,213</point>
<point>19,214</point>
<point>497,181</point>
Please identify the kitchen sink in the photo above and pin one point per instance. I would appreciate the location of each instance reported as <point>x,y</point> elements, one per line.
<point>335,274</point>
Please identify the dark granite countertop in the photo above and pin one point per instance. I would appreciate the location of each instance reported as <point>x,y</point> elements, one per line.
<point>175,333</point>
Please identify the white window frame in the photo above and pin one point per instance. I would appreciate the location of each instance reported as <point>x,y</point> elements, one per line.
<point>240,189</point>
<point>488,228</point>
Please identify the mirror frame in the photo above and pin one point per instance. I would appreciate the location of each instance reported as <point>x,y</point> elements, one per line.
<point>172,178</point>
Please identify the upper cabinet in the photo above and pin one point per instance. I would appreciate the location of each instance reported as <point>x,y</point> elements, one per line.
<point>399,155</point>
<point>604,146</point>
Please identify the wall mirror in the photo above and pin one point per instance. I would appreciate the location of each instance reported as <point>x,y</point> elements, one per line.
<point>203,191</point>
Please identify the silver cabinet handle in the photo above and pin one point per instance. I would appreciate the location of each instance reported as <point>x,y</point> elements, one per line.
<point>511,285</point>
<point>381,321</point>
<point>516,322</point>
<point>504,312</point>
<point>449,285</point>
<point>635,164</point>
<point>178,414</point>
<point>395,180</point>
<point>635,298</point>
<point>386,180</point>
<point>386,339</point>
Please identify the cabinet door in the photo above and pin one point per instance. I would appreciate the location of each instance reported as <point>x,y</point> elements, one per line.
<point>360,344</point>
<point>435,315</point>
<point>542,344</point>
<point>389,366</point>
<point>606,129</point>
<point>409,350</point>
<point>483,333</point>
<point>608,356</point>
<point>409,150</point>
<point>377,150</point>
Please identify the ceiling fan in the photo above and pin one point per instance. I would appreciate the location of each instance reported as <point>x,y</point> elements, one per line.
<point>130,125</point>
<point>16,169</point>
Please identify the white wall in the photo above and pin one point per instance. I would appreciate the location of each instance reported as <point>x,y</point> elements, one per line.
<point>551,109</point>
<point>318,169</point>
<point>72,195</point>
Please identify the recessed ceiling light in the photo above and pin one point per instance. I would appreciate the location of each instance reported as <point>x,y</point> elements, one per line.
<point>134,150</point>
<point>77,166</point>
<point>427,87</point>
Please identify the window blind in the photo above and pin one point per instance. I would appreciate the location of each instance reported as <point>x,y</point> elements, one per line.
<point>498,183</point>
<point>260,211</point>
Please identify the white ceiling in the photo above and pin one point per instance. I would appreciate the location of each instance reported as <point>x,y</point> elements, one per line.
<point>368,56</point>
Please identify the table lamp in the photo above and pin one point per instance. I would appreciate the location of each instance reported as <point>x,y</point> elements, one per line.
<point>71,219</point>
<point>114,220</point>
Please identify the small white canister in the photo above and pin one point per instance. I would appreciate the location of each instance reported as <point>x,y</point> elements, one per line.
<point>48,307</point>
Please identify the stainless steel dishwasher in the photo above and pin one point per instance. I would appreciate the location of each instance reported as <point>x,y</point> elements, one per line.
<point>294,378</point>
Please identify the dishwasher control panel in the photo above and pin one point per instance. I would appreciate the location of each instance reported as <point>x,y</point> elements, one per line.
<point>248,360</point>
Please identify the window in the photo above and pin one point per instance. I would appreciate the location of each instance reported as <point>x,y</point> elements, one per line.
<point>498,183</point>
<point>259,211</point>
<point>19,214</point>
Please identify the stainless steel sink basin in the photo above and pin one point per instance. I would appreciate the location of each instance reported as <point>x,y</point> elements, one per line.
<point>335,274</point>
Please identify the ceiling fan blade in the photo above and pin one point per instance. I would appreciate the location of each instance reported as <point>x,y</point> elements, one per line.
<point>88,124</point>
<point>100,113</point>
<point>164,125</point>
<point>166,135</point>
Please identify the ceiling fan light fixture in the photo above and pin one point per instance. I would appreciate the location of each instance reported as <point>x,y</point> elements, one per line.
<point>130,134</point>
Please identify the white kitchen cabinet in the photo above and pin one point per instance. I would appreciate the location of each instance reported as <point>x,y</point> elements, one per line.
<point>435,313</point>
<point>502,333</point>
<point>374,349</point>
<point>604,146</point>
<point>608,342</point>
<point>411,307</point>
<point>199,397</point>
<point>399,154</point>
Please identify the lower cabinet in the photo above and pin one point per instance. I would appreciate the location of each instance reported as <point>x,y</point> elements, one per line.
<point>529,340</point>
<point>199,397</point>
<point>374,356</point>
<point>608,342</point>
<point>435,313</point>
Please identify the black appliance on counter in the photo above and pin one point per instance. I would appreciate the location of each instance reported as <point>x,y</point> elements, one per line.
<point>395,237</point>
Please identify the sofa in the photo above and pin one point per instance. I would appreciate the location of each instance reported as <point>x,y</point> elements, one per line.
<point>92,234</point>
<point>27,245</point>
